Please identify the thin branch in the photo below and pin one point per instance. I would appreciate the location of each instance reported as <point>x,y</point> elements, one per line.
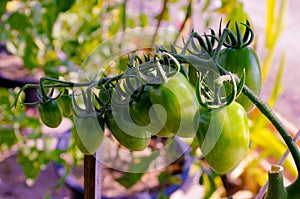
<point>159,20</point>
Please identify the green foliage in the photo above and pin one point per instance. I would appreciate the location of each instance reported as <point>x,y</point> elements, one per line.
<point>7,138</point>
<point>41,31</point>
<point>7,135</point>
<point>129,179</point>
<point>161,195</point>
<point>34,148</point>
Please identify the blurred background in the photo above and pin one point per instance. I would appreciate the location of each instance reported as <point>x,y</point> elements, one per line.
<point>53,37</point>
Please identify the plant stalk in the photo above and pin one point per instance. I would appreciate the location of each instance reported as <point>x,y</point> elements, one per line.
<point>267,111</point>
<point>276,188</point>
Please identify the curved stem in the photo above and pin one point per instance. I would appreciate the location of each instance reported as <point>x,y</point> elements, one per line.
<point>187,16</point>
<point>60,84</point>
<point>21,90</point>
<point>267,111</point>
<point>45,97</point>
<point>220,44</point>
<point>159,20</point>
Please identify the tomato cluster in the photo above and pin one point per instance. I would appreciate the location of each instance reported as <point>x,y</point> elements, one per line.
<point>161,100</point>
<point>176,98</point>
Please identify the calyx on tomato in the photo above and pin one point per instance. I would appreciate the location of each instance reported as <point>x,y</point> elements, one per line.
<point>237,56</point>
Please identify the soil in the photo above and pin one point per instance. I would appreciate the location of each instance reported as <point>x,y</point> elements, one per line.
<point>13,183</point>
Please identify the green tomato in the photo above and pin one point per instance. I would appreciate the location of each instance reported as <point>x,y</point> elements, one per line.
<point>236,60</point>
<point>143,113</point>
<point>139,108</point>
<point>50,113</point>
<point>65,103</point>
<point>104,95</point>
<point>125,131</point>
<point>89,132</point>
<point>178,106</point>
<point>223,136</point>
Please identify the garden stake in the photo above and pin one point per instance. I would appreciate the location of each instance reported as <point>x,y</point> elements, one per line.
<point>89,176</point>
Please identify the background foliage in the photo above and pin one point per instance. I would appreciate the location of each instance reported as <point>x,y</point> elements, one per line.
<point>55,37</point>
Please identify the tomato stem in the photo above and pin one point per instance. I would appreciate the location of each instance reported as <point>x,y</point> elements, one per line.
<point>220,44</point>
<point>267,111</point>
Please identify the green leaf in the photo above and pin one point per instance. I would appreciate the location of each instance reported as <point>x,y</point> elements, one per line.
<point>4,96</point>
<point>206,5</point>
<point>31,122</point>
<point>31,169</point>
<point>129,179</point>
<point>136,170</point>
<point>237,14</point>
<point>19,22</point>
<point>49,18</point>
<point>47,196</point>
<point>166,15</point>
<point>3,7</point>
<point>175,180</point>
<point>62,180</point>
<point>114,27</point>
<point>276,149</point>
<point>144,20</point>
<point>209,185</point>
<point>161,195</point>
<point>30,52</point>
<point>162,177</point>
<point>277,89</point>
<point>56,156</point>
<point>7,137</point>
<point>63,5</point>
<point>201,180</point>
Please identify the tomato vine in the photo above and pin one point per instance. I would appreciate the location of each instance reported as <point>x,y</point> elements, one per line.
<point>162,75</point>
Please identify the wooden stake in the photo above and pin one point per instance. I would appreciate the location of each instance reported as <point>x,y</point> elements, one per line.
<point>89,176</point>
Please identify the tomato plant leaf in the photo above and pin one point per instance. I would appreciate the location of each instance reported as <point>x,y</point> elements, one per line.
<point>161,195</point>
<point>30,52</point>
<point>19,22</point>
<point>3,7</point>
<point>7,137</point>
<point>63,6</point>
<point>144,20</point>
<point>129,179</point>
